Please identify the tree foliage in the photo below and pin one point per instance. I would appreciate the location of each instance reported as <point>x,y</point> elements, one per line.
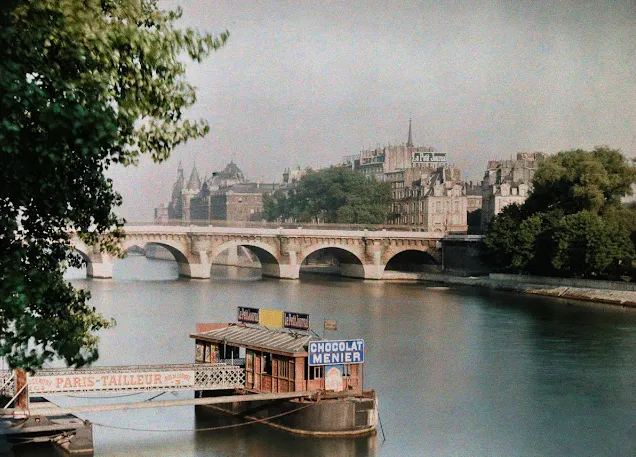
<point>573,222</point>
<point>83,85</point>
<point>332,195</point>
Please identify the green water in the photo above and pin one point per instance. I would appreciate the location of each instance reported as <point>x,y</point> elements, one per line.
<point>459,371</point>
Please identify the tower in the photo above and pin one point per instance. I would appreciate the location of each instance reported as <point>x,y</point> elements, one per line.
<point>191,191</point>
<point>175,207</point>
<point>409,142</point>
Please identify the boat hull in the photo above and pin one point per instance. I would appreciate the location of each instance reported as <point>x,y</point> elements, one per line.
<point>331,415</point>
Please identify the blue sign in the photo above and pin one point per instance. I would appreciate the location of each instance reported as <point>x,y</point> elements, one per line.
<point>335,352</point>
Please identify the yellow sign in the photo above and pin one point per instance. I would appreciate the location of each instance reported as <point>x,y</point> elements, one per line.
<point>271,318</point>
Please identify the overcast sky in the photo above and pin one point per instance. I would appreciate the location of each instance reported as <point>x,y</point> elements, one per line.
<point>304,83</point>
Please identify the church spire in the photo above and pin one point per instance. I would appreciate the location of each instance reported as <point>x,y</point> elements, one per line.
<point>409,142</point>
<point>194,183</point>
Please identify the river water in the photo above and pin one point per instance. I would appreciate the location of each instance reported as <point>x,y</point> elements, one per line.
<point>459,371</point>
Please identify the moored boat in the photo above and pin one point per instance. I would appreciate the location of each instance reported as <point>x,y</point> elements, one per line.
<point>285,356</point>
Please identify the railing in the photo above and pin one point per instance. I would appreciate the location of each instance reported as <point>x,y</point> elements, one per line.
<point>7,383</point>
<point>238,362</point>
<point>287,225</point>
<point>135,378</point>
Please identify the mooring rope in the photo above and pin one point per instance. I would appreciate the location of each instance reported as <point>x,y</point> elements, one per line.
<point>206,429</point>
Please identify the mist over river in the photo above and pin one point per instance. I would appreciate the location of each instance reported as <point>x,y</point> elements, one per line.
<point>459,371</point>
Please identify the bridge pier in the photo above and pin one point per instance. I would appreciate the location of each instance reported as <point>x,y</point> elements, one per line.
<point>195,270</point>
<point>100,265</point>
<point>101,270</point>
<point>281,271</point>
<point>372,271</point>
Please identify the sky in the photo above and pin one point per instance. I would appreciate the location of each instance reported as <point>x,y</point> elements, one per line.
<point>305,83</point>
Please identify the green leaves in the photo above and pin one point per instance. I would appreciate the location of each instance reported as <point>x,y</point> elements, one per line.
<point>83,85</point>
<point>572,224</point>
<point>332,195</point>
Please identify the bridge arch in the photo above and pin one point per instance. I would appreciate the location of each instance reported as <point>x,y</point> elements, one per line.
<point>87,268</point>
<point>175,249</point>
<point>81,251</point>
<point>348,259</point>
<point>263,251</point>
<point>414,259</point>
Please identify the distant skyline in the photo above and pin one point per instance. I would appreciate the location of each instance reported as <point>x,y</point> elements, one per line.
<point>304,84</point>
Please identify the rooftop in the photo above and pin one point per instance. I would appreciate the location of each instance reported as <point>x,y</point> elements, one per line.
<point>257,336</point>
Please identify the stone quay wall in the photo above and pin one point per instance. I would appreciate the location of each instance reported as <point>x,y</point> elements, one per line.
<point>591,293</point>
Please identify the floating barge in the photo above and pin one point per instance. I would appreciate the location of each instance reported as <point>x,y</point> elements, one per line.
<point>291,359</point>
<point>268,368</point>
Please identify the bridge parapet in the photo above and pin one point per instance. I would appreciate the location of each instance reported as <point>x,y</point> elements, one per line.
<point>278,231</point>
<point>280,250</point>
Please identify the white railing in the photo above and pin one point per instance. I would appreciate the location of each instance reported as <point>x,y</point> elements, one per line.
<point>7,383</point>
<point>137,378</point>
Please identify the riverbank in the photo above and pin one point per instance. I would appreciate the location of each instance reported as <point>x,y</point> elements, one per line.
<point>622,298</point>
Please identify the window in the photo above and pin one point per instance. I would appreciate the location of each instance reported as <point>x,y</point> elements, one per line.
<point>283,368</point>
<point>346,370</point>
<point>266,367</point>
<point>316,372</point>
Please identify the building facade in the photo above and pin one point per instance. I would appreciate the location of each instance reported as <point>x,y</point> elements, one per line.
<point>426,192</point>
<point>474,199</point>
<point>507,182</point>
<point>431,199</point>
<point>227,195</point>
<point>382,160</point>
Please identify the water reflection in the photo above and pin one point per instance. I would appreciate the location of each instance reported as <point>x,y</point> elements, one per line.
<point>258,440</point>
<point>459,371</point>
<point>225,273</point>
<point>135,268</point>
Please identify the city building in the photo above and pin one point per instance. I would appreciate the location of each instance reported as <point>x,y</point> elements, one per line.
<point>474,197</point>
<point>226,195</point>
<point>382,160</point>
<point>507,182</point>
<point>432,199</point>
<point>427,192</point>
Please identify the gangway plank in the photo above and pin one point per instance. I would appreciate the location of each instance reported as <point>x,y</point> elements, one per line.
<point>55,410</point>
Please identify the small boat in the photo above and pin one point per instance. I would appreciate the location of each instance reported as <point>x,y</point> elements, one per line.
<point>284,357</point>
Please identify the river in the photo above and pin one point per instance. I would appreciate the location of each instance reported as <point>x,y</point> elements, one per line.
<point>459,371</point>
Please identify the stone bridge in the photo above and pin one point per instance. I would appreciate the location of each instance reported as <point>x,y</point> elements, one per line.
<point>281,251</point>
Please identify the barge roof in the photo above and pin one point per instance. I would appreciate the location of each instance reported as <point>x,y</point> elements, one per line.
<point>257,336</point>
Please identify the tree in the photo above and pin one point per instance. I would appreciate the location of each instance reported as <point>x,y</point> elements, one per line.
<point>332,195</point>
<point>582,180</point>
<point>83,85</point>
<point>587,244</point>
<point>573,222</point>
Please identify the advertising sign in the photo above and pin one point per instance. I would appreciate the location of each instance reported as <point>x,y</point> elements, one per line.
<point>271,318</point>
<point>101,381</point>
<point>331,324</point>
<point>333,378</point>
<point>336,352</point>
<point>296,320</point>
<point>248,315</point>
<point>426,157</point>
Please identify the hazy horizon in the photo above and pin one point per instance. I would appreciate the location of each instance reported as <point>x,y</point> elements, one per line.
<point>303,84</point>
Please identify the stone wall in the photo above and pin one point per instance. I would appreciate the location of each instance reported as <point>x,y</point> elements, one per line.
<point>461,256</point>
<point>565,282</point>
